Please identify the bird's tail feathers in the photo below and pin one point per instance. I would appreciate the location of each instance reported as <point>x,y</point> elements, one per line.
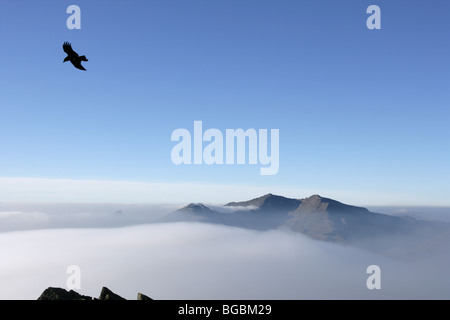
<point>83,58</point>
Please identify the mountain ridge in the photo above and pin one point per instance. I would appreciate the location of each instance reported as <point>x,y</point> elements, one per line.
<point>320,218</point>
<point>262,213</point>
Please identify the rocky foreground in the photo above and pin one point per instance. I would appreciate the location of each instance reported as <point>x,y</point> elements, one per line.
<point>62,294</point>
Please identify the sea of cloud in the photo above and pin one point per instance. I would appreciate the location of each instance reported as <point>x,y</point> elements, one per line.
<point>203,261</point>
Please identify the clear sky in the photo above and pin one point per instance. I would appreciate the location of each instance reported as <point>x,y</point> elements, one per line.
<point>360,111</point>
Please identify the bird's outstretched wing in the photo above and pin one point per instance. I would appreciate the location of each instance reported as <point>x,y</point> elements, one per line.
<point>67,47</point>
<point>77,64</point>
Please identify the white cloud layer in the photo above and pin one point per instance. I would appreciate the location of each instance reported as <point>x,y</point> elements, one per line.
<point>201,261</point>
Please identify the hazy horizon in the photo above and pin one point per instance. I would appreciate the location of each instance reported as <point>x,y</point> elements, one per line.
<point>44,190</point>
<point>24,215</point>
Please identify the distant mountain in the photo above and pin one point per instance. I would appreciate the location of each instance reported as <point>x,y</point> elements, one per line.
<point>330,220</point>
<point>266,212</point>
<point>326,220</point>
<point>193,212</point>
<point>269,203</point>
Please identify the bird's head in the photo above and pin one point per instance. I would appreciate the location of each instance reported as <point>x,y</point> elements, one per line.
<point>66,59</point>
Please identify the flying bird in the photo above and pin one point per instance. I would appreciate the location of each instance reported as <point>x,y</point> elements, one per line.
<point>73,57</point>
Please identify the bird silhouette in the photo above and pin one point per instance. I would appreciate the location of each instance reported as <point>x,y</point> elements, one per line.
<point>73,57</point>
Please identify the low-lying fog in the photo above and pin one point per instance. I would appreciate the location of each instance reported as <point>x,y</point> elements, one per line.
<point>192,260</point>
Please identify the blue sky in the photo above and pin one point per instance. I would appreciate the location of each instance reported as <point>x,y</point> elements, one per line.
<point>361,111</point>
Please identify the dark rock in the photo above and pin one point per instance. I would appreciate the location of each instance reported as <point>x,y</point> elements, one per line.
<point>62,294</point>
<point>141,296</point>
<point>107,294</point>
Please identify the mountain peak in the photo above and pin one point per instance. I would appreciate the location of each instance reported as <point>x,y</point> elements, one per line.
<point>193,212</point>
<point>263,200</point>
<point>196,206</point>
<point>315,197</point>
<point>315,216</point>
<point>316,203</point>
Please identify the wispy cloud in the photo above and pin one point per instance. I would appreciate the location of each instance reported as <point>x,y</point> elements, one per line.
<point>230,209</point>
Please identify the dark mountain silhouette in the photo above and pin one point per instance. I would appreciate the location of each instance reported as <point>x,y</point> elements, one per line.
<point>327,220</point>
<point>194,212</point>
<point>269,203</point>
<point>266,212</point>
<point>62,294</point>
<point>73,57</point>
